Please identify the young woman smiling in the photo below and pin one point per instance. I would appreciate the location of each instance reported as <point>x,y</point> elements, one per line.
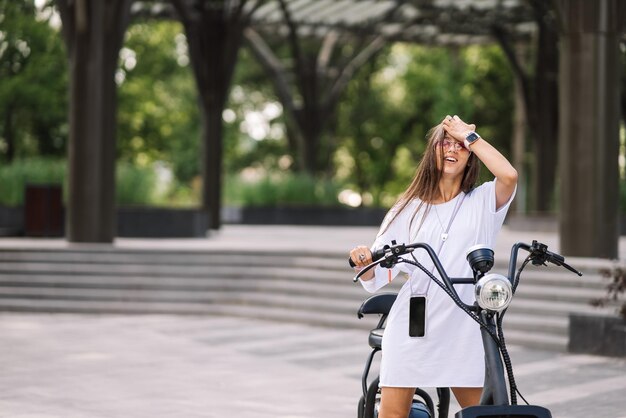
<point>444,208</point>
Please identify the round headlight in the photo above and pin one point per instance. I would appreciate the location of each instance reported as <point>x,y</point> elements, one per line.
<point>494,292</point>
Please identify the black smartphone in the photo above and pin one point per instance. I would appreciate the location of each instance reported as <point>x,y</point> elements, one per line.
<point>417,316</point>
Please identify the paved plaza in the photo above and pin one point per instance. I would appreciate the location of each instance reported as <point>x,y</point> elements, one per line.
<point>90,366</point>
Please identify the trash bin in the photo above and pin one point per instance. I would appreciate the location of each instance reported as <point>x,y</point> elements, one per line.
<point>43,210</point>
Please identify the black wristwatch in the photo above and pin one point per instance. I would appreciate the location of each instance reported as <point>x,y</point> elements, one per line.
<point>470,138</point>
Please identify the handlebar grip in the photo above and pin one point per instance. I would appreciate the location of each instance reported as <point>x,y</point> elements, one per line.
<point>376,255</point>
<point>555,258</point>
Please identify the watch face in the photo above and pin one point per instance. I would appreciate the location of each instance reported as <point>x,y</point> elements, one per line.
<point>472,137</point>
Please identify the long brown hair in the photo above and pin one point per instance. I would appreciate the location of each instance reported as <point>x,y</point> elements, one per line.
<point>425,183</point>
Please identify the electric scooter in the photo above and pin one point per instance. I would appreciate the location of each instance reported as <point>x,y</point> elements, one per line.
<point>493,293</point>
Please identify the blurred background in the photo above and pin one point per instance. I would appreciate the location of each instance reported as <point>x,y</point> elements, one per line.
<point>209,164</point>
<point>296,105</point>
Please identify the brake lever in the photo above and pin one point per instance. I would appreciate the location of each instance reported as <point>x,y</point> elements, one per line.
<point>367,268</point>
<point>572,269</point>
<point>541,255</point>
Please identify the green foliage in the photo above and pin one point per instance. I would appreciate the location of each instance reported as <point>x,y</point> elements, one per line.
<point>14,177</point>
<point>390,106</point>
<point>252,95</point>
<point>134,185</point>
<point>380,126</point>
<point>33,82</point>
<point>281,189</point>
<point>158,106</point>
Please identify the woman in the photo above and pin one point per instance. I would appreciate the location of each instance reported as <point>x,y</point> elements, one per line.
<point>443,208</point>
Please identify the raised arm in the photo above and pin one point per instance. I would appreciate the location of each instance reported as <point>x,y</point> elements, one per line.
<point>495,162</point>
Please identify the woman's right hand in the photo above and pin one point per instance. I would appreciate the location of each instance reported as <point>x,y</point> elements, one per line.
<point>361,256</point>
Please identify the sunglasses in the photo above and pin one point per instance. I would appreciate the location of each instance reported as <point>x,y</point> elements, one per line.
<point>448,144</point>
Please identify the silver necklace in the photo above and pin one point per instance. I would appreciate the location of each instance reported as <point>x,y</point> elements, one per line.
<point>444,234</point>
<point>444,231</point>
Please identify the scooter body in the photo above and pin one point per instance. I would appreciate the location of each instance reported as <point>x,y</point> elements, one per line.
<point>495,402</point>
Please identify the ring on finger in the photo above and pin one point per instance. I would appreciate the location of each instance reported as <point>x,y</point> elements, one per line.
<point>362,257</point>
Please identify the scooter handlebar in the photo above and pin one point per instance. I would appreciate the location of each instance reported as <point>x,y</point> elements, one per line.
<point>376,255</point>
<point>542,255</point>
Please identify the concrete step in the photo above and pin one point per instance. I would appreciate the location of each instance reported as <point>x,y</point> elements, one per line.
<point>291,284</point>
<point>52,259</point>
<point>561,278</point>
<point>280,285</point>
<point>543,324</point>
<point>261,300</point>
<point>551,308</point>
<point>314,260</point>
<point>558,293</point>
<point>539,341</point>
<point>313,288</point>
<point>266,283</point>
<point>302,271</point>
<point>221,271</point>
<point>343,320</point>
<point>93,284</point>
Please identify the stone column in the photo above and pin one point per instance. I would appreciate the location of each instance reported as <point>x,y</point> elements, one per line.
<point>589,126</point>
<point>94,32</point>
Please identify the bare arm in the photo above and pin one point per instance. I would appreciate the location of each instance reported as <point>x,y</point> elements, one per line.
<point>499,166</point>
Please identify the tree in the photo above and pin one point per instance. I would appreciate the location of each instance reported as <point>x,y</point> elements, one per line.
<point>214,32</point>
<point>310,91</point>
<point>33,82</point>
<point>541,98</point>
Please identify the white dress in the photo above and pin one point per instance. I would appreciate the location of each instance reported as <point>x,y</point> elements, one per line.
<point>451,352</point>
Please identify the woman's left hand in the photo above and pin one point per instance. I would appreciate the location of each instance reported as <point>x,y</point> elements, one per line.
<point>499,166</point>
<point>456,128</point>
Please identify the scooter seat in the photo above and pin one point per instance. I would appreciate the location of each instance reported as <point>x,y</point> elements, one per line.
<point>376,338</point>
<point>377,304</point>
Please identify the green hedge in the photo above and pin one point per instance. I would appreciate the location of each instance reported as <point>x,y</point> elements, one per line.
<point>139,186</point>
<point>15,176</point>
<point>135,185</point>
<point>283,189</point>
